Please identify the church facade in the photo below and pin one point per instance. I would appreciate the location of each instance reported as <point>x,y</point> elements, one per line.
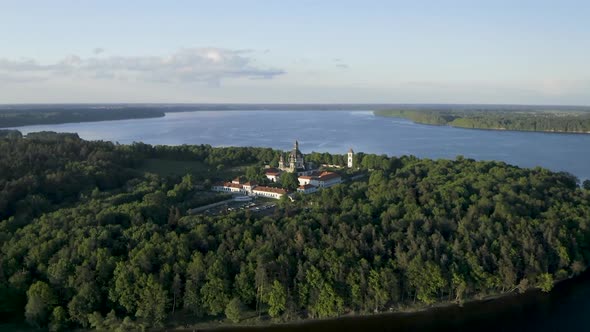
<point>296,162</point>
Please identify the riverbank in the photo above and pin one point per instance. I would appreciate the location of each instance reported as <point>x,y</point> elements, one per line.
<point>410,318</point>
<point>253,322</point>
<point>563,122</point>
<point>501,312</point>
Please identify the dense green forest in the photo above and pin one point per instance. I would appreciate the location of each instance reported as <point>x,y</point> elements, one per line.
<point>15,117</point>
<point>545,121</point>
<point>89,239</point>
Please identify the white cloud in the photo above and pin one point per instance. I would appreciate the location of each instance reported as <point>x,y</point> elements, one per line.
<point>209,65</point>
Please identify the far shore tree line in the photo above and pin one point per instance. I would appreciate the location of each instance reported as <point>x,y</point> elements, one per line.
<point>545,121</point>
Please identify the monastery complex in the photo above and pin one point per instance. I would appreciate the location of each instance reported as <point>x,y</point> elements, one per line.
<point>310,178</point>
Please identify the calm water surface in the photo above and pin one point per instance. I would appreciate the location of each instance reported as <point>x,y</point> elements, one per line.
<point>336,131</point>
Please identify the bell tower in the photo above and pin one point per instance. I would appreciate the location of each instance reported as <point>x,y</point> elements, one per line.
<point>281,162</point>
<point>350,158</point>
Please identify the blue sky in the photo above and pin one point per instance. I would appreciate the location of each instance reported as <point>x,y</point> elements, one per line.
<point>525,52</point>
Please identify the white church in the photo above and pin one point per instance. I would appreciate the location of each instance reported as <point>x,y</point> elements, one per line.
<point>296,162</point>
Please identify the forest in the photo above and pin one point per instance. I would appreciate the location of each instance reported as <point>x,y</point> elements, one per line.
<point>23,116</point>
<point>90,240</point>
<point>529,120</point>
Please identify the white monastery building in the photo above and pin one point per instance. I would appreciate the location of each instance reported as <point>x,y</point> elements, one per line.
<point>307,189</point>
<point>320,180</point>
<point>237,186</point>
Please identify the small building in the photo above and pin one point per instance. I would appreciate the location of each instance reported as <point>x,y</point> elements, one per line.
<point>229,187</point>
<point>217,186</point>
<point>327,180</point>
<point>305,180</point>
<point>269,192</point>
<point>321,180</point>
<point>307,189</point>
<point>248,186</point>
<point>273,174</point>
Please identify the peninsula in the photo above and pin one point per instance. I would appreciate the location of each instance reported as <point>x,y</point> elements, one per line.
<point>109,236</point>
<point>527,119</point>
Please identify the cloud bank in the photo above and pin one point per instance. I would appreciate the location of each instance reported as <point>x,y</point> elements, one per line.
<point>209,65</point>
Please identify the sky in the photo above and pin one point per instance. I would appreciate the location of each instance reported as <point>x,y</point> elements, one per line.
<point>283,51</point>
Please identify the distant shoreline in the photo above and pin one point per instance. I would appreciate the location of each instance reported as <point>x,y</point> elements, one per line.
<point>15,116</point>
<point>493,129</point>
<point>539,121</point>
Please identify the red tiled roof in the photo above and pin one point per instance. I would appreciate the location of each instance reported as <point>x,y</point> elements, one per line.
<point>306,186</point>
<point>239,179</point>
<point>271,170</point>
<point>232,185</point>
<point>325,176</point>
<point>273,173</point>
<point>305,177</point>
<point>270,190</point>
<point>250,183</point>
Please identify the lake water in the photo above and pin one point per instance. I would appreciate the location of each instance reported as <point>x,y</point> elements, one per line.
<point>336,131</point>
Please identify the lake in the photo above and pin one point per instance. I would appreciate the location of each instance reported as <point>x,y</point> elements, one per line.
<point>336,131</point>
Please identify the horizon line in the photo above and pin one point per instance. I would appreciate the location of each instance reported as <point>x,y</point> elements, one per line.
<point>288,104</point>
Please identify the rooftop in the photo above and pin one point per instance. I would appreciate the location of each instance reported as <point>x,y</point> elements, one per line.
<point>325,176</point>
